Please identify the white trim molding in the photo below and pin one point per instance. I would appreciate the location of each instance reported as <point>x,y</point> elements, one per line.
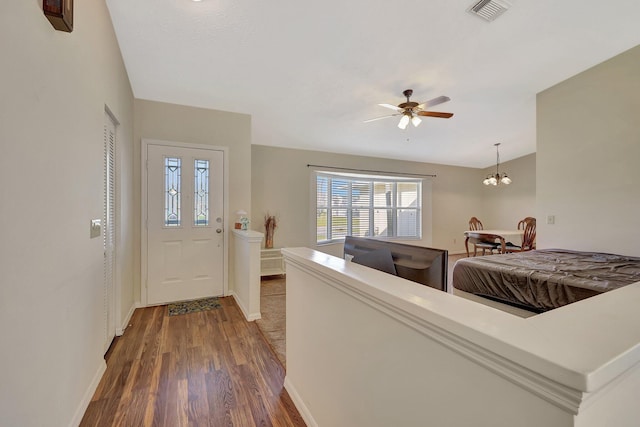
<point>125,323</point>
<point>88,394</point>
<point>305,413</point>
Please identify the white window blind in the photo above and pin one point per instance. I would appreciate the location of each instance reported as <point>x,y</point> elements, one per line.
<point>366,206</point>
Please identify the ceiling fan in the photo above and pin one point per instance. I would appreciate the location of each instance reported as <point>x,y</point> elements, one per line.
<point>410,111</point>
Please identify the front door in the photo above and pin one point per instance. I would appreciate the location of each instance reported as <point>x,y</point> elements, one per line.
<point>185,244</point>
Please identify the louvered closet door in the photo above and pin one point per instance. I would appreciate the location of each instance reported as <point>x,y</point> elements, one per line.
<point>108,229</point>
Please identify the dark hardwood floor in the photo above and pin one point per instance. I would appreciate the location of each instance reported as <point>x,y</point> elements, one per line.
<point>211,368</point>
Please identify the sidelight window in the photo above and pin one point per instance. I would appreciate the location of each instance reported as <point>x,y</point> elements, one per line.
<point>201,193</point>
<point>172,185</point>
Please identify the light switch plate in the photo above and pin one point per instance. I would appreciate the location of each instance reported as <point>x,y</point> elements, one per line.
<point>95,228</point>
<point>551,219</point>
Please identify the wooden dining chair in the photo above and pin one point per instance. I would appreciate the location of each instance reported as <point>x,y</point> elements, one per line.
<point>522,224</point>
<point>474,225</point>
<point>528,239</point>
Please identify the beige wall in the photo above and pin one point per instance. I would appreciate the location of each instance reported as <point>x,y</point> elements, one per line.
<point>178,123</point>
<point>54,89</point>
<point>588,149</point>
<point>281,185</point>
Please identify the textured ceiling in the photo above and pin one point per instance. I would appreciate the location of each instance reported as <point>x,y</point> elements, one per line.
<point>310,73</point>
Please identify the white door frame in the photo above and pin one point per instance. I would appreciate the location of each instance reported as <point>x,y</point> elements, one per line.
<point>143,217</point>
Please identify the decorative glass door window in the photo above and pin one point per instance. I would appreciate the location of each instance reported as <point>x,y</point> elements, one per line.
<point>201,193</point>
<point>172,186</point>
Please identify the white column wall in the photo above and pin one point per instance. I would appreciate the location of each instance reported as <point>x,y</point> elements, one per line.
<point>246,266</point>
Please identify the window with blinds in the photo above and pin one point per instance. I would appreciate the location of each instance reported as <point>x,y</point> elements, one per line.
<point>365,206</point>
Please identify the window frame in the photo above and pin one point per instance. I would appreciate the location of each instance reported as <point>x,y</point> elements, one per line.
<point>372,180</point>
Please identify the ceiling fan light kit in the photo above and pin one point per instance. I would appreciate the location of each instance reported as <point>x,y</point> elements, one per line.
<point>497,178</point>
<point>410,111</point>
<point>404,121</point>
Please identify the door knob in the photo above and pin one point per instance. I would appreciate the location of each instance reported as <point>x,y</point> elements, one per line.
<point>218,230</point>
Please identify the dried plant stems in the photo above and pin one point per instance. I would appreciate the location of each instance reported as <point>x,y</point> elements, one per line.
<point>270,224</point>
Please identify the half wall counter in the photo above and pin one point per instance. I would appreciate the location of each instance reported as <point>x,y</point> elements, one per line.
<point>368,348</point>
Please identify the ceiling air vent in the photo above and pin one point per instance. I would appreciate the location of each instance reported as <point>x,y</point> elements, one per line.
<point>489,9</point>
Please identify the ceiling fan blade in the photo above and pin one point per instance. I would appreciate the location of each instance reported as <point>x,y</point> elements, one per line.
<point>434,101</point>
<point>435,114</point>
<point>380,118</point>
<point>393,107</point>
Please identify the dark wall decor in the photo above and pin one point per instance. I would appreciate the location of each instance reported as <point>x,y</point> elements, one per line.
<point>59,13</point>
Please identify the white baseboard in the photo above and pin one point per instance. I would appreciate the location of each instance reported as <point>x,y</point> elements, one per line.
<point>299,404</point>
<point>86,399</point>
<point>249,316</point>
<point>252,317</point>
<point>125,323</point>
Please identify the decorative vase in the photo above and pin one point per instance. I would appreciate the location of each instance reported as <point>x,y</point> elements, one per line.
<point>268,242</point>
<point>269,226</point>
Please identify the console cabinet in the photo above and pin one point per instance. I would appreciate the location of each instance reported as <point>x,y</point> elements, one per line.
<point>271,262</point>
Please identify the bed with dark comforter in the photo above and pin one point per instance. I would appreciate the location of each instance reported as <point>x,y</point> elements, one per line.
<point>542,280</point>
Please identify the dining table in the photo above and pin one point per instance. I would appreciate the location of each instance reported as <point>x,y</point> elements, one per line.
<point>493,236</point>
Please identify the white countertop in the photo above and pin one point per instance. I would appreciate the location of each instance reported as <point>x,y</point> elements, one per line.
<point>248,234</point>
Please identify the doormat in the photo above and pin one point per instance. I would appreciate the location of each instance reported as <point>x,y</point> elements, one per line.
<point>193,306</point>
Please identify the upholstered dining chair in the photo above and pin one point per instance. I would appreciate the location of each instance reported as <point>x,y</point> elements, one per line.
<point>474,225</point>
<point>528,239</point>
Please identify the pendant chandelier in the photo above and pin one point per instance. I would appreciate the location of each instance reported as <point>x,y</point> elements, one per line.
<point>497,178</point>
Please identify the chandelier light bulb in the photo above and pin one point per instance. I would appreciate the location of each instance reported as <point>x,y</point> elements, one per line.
<point>415,120</point>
